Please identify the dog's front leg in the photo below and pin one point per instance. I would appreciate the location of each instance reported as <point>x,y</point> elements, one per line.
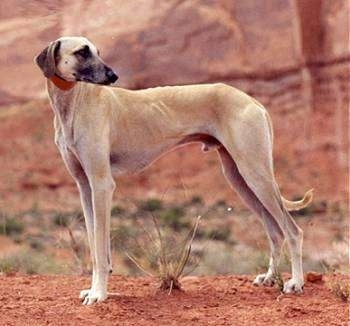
<point>102,187</point>
<point>76,170</point>
<point>86,202</point>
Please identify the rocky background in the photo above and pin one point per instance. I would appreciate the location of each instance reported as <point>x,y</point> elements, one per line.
<point>292,55</point>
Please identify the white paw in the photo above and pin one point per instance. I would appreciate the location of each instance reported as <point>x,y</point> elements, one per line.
<point>264,279</point>
<point>84,293</point>
<point>259,279</point>
<point>91,296</point>
<point>293,286</point>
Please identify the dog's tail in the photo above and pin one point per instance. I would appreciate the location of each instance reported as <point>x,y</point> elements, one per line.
<point>299,204</point>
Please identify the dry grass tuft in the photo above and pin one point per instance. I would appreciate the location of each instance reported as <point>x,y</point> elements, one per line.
<point>341,288</point>
<point>166,258</point>
<point>279,283</point>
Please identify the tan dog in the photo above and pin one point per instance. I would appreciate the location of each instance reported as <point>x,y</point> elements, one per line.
<point>100,129</point>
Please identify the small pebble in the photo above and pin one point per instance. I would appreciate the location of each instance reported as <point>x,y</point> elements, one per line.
<point>313,277</point>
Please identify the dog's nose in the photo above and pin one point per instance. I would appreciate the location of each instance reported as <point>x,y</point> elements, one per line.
<point>113,78</point>
<point>111,75</point>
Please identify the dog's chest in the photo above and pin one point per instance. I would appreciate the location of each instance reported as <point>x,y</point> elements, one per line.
<point>64,148</point>
<point>64,138</point>
<point>129,162</point>
<point>63,122</point>
<point>134,159</point>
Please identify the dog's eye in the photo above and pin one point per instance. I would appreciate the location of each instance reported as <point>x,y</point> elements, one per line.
<point>84,52</point>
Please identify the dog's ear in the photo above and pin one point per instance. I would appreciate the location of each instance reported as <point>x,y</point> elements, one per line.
<point>46,60</point>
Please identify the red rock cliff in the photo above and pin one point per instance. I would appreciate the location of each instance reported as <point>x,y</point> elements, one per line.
<point>293,55</point>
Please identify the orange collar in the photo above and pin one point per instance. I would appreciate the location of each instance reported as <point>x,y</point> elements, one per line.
<point>62,84</point>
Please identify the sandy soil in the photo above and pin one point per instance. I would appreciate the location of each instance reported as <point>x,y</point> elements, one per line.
<point>229,300</point>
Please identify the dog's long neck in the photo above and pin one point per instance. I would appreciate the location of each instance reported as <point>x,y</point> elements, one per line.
<point>64,103</point>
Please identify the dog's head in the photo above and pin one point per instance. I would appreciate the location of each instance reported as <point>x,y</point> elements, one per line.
<point>75,59</point>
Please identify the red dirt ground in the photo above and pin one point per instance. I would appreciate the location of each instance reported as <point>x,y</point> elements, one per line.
<point>219,300</point>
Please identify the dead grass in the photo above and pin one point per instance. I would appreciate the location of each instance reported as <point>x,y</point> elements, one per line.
<point>80,250</point>
<point>341,288</point>
<point>168,258</point>
<point>279,283</point>
<point>10,225</point>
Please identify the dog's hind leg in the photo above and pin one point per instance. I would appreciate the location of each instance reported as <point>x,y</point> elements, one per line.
<point>274,232</point>
<point>249,142</point>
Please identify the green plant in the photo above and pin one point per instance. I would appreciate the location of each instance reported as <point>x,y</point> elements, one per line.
<point>61,219</point>
<point>222,234</point>
<point>117,210</point>
<point>34,210</point>
<point>10,225</point>
<point>36,243</point>
<point>152,205</point>
<point>29,262</point>
<point>167,257</point>
<point>196,200</point>
<point>172,217</point>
